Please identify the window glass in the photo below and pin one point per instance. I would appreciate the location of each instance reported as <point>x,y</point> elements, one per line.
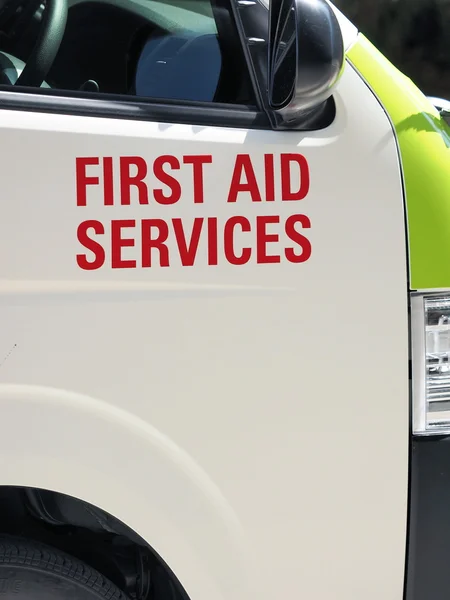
<point>182,50</point>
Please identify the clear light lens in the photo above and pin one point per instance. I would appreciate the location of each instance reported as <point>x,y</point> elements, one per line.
<point>431,364</point>
<point>437,355</point>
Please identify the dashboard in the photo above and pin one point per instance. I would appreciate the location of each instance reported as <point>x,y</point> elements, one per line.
<point>195,15</point>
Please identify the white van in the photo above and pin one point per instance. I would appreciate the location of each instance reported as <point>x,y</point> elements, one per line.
<point>224,307</point>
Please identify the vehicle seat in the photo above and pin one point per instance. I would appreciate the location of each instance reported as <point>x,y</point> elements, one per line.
<point>11,68</point>
<point>179,67</point>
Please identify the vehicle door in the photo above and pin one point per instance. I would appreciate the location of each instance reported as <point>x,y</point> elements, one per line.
<point>241,289</point>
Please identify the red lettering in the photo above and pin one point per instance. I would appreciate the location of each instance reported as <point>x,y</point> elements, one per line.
<point>187,253</point>
<point>90,244</point>
<point>244,166</point>
<point>127,181</point>
<point>263,238</point>
<point>230,254</point>
<point>166,179</point>
<point>158,242</point>
<point>108,182</point>
<point>286,189</point>
<point>118,242</point>
<point>270,177</point>
<point>298,238</point>
<point>212,241</point>
<point>197,163</point>
<point>82,179</point>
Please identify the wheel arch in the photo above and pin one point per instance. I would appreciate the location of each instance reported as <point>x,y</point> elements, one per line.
<point>88,449</point>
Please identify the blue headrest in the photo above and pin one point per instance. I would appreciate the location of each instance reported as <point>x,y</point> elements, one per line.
<point>179,67</point>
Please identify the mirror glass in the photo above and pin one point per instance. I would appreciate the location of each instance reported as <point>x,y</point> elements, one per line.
<point>283,67</point>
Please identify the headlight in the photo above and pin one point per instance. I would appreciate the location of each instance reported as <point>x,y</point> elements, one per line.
<point>430,321</point>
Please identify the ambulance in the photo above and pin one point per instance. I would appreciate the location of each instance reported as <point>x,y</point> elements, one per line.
<point>224,307</point>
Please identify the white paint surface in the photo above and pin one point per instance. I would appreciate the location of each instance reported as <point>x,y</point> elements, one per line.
<point>250,422</point>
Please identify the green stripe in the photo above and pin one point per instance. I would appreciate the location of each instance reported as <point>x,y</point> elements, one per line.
<point>424,143</point>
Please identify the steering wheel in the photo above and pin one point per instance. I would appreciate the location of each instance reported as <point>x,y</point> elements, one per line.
<point>14,15</point>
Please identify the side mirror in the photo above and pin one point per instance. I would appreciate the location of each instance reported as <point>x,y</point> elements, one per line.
<point>306,56</point>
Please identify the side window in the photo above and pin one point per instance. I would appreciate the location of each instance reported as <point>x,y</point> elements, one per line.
<point>179,50</point>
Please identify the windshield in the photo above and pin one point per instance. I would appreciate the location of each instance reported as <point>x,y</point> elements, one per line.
<point>173,15</point>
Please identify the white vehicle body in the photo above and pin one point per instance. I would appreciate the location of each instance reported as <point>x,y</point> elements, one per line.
<point>249,421</point>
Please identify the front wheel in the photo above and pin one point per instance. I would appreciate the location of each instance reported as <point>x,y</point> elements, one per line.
<point>32,571</point>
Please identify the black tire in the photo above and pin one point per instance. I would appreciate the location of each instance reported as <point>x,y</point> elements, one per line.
<point>32,571</point>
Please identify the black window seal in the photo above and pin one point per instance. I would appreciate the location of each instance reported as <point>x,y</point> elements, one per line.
<point>133,108</point>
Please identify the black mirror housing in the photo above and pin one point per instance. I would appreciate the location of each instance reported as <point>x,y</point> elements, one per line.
<point>306,57</point>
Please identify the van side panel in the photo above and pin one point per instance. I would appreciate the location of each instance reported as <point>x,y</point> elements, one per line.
<point>271,352</point>
<point>424,143</point>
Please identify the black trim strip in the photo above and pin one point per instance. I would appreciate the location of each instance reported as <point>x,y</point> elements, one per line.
<point>429,525</point>
<point>118,107</point>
